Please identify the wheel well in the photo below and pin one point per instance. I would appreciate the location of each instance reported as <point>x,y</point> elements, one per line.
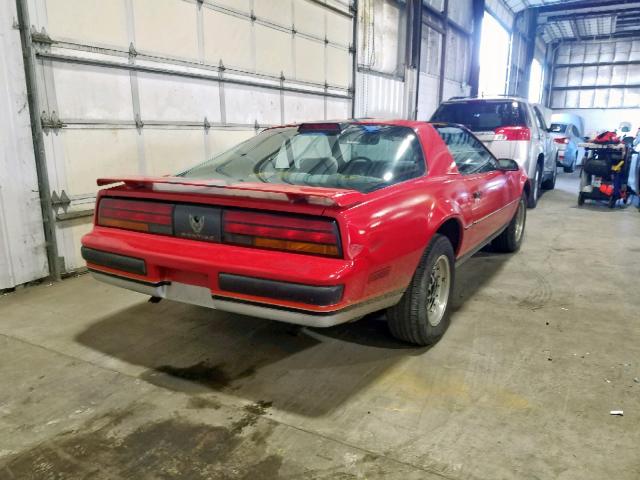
<point>453,231</point>
<point>527,188</point>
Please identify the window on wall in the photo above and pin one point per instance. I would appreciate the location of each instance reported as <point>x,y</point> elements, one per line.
<point>381,36</point>
<point>458,55</point>
<point>430,51</point>
<point>535,82</point>
<point>494,56</point>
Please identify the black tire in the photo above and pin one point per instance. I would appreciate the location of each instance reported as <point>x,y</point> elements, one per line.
<point>571,168</point>
<point>550,183</point>
<point>612,202</point>
<point>580,199</point>
<point>409,320</point>
<point>534,192</point>
<point>510,239</point>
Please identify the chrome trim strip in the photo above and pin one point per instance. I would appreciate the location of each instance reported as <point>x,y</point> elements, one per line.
<point>202,296</point>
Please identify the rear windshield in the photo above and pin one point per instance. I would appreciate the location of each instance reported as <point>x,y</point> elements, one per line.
<point>359,157</point>
<point>558,128</point>
<point>482,115</point>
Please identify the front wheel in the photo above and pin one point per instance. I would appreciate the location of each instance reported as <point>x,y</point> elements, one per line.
<point>422,315</point>
<point>511,237</point>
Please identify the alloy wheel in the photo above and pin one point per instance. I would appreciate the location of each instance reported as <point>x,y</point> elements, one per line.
<point>438,290</point>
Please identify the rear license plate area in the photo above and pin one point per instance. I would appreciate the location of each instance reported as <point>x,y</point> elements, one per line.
<point>197,223</point>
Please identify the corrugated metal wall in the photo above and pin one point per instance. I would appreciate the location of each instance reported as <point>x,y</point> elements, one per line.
<point>22,252</point>
<point>381,72</point>
<point>603,74</point>
<point>457,31</point>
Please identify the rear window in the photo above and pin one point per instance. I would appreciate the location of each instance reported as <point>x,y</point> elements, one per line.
<point>558,128</point>
<point>359,157</point>
<point>482,115</point>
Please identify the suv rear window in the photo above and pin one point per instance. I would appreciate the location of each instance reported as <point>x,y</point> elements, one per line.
<point>356,156</point>
<point>558,128</point>
<point>482,115</point>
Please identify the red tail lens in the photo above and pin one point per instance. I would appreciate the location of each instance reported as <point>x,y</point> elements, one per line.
<point>136,215</point>
<point>519,132</point>
<point>281,232</point>
<point>561,140</point>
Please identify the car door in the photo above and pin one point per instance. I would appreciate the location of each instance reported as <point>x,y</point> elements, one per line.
<point>487,187</point>
<point>547,146</point>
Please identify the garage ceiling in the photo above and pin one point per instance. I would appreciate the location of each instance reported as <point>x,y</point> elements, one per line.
<point>583,19</point>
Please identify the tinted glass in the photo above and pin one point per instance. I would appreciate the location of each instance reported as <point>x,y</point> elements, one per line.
<point>540,119</point>
<point>470,154</point>
<point>482,115</point>
<point>359,157</point>
<point>558,128</point>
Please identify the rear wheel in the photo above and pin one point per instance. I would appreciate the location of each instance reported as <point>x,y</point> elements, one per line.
<point>534,193</point>
<point>422,315</point>
<point>511,238</point>
<point>580,199</point>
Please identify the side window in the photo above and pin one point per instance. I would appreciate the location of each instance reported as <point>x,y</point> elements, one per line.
<point>540,119</point>
<point>469,153</point>
<point>575,131</point>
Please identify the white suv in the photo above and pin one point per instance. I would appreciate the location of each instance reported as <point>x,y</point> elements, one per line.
<point>510,127</point>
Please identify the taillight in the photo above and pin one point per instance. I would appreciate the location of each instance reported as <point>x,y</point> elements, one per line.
<point>561,140</point>
<point>281,232</point>
<point>519,132</point>
<point>136,215</point>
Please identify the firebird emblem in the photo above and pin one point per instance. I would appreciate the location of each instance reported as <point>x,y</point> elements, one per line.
<point>197,223</point>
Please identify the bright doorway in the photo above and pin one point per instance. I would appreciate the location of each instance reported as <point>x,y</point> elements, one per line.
<point>494,57</point>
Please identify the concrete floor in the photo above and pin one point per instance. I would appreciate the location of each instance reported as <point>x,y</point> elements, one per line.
<point>97,383</point>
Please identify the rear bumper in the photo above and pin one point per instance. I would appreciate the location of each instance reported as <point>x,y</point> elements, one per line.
<point>201,296</point>
<point>294,288</point>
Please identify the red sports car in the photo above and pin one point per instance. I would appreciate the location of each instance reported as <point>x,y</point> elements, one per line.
<point>315,224</point>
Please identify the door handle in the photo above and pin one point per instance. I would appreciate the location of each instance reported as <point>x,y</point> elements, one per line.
<point>477,195</point>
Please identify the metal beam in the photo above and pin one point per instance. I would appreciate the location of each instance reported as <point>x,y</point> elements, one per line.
<point>354,56</point>
<point>443,51</point>
<point>474,69</point>
<point>531,50</point>
<point>164,71</point>
<point>446,20</point>
<point>598,64</point>
<point>583,4</point>
<point>615,36</point>
<point>44,188</point>
<point>416,48</point>
<point>596,87</point>
<point>581,16</point>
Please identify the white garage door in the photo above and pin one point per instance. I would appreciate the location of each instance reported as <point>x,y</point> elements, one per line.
<point>152,86</point>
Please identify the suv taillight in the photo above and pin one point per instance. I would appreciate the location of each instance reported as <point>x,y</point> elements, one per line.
<point>561,140</point>
<point>136,215</point>
<point>519,132</point>
<point>281,232</point>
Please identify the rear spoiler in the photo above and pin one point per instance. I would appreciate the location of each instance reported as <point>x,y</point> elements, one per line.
<point>328,197</point>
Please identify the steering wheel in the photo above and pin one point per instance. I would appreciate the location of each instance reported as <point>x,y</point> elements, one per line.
<point>351,165</point>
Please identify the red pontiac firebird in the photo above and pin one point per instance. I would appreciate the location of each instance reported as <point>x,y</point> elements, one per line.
<point>315,224</point>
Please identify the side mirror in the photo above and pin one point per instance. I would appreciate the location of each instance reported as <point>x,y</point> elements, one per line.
<point>508,165</point>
